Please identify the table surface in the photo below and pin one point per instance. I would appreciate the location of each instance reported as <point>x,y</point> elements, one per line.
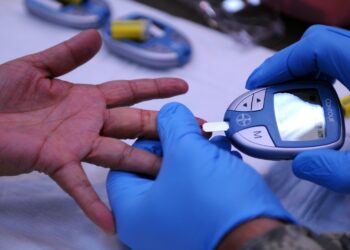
<point>36,214</point>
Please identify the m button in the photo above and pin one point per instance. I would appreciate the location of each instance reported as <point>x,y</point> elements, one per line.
<point>258,135</point>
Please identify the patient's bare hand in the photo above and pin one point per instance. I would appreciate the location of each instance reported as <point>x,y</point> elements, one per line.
<point>51,126</point>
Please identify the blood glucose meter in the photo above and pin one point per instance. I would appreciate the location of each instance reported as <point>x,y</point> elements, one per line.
<point>165,47</point>
<point>80,14</point>
<point>280,121</point>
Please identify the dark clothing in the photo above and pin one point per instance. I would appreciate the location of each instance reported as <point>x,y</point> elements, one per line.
<point>292,237</point>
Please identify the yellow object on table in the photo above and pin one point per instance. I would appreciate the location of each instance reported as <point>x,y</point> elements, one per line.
<point>136,29</point>
<point>345,102</point>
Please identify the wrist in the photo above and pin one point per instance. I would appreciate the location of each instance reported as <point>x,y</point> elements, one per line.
<point>248,231</point>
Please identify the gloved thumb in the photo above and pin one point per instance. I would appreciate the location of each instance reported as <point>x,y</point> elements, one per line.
<point>327,168</point>
<point>175,121</point>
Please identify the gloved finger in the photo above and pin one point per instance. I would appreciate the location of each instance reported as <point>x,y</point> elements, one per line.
<point>124,187</point>
<point>223,143</point>
<point>176,121</point>
<point>327,168</point>
<point>237,154</point>
<point>273,70</point>
<point>322,51</point>
<point>152,146</point>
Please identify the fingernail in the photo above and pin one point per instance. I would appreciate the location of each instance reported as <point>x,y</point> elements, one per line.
<point>200,123</point>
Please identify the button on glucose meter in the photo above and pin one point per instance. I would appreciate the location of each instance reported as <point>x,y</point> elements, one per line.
<point>280,121</point>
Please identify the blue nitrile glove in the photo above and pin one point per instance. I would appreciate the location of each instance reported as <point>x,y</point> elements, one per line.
<point>201,193</point>
<point>323,52</point>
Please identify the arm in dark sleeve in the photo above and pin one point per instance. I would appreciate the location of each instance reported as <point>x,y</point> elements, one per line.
<point>292,237</point>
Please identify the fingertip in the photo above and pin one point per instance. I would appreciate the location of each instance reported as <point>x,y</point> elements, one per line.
<point>175,114</point>
<point>105,220</point>
<point>324,167</point>
<point>254,79</point>
<point>200,123</point>
<point>182,84</point>
<point>102,217</point>
<point>170,109</point>
<point>299,163</point>
<point>221,142</point>
<point>237,154</point>
<point>69,54</point>
<point>175,121</point>
<point>172,86</point>
<point>165,114</point>
<point>87,42</point>
<point>310,163</point>
<point>93,36</point>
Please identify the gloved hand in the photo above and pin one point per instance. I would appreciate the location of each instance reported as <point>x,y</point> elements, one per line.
<point>202,190</point>
<point>324,53</point>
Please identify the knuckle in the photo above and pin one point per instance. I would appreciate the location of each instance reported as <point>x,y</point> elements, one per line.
<point>95,146</point>
<point>126,152</point>
<point>145,120</point>
<point>157,85</point>
<point>132,86</point>
<point>108,121</point>
<point>324,38</point>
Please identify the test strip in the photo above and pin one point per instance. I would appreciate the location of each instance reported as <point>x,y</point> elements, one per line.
<point>215,126</point>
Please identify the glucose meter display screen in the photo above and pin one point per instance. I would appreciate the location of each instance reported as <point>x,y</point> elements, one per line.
<point>299,115</point>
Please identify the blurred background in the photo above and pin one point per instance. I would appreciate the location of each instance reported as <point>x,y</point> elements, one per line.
<point>271,23</point>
